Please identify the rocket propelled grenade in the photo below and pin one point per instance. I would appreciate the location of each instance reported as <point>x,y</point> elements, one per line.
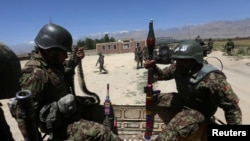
<point>107,103</point>
<point>149,87</point>
<point>151,40</point>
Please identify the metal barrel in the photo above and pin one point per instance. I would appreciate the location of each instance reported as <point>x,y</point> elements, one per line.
<point>26,105</point>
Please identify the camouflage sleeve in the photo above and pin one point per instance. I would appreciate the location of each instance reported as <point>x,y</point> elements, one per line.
<point>34,79</point>
<point>165,73</point>
<point>225,96</point>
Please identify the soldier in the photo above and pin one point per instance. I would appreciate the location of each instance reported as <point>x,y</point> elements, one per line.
<point>229,47</point>
<point>201,87</point>
<point>101,62</point>
<point>202,44</point>
<point>59,113</point>
<point>210,44</point>
<point>10,70</point>
<point>139,58</point>
<point>136,49</point>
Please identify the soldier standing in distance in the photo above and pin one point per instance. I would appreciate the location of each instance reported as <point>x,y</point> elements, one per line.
<point>136,52</point>
<point>201,87</point>
<point>139,58</point>
<point>59,113</point>
<point>101,63</point>
<point>229,47</point>
<point>203,46</point>
<point>210,44</point>
<point>10,71</point>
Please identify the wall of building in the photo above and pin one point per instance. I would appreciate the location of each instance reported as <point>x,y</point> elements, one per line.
<point>121,46</point>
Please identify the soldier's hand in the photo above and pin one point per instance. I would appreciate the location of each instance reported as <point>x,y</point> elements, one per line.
<point>80,54</point>
<point>149,64</point>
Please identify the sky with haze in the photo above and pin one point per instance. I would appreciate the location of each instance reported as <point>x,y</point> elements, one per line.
<point>22,19</point>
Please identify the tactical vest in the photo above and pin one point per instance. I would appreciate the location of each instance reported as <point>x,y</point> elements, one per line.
<point>193,95</point>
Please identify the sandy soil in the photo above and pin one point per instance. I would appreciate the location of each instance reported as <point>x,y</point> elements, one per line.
<point>126,82</point>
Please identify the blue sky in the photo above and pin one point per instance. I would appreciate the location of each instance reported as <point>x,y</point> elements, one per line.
<point>22,19</point>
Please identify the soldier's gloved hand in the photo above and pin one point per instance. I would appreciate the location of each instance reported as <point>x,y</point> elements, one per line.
<point>107,123</point>
<point>67,105</point>
<point>149,64</point>
<point>80,54</point>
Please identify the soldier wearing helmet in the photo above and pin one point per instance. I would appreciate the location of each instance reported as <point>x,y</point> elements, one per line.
<point>57,111</point>
<point>229,46</point>
<point>210,44</point>
<point>10,71</point>
<point>201,89</point>
<point>139,57</point>
<point>100,61</point>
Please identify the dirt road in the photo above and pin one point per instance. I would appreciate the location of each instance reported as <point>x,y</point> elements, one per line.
<point>127,82</point>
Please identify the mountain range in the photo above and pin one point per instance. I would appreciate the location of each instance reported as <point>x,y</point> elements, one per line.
<point>217,29</point>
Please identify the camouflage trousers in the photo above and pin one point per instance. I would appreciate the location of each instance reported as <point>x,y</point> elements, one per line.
<point>184,122</point>
<point>85,130</point>
<point>139,63</point>
<point>101,68</point>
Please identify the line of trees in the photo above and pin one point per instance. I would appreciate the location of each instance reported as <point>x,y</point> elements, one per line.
<point>89,43</point>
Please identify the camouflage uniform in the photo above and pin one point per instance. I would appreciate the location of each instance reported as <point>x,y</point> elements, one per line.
<point>48,84</point>
<point>229,46</point>
<point>58,111</point>
<point>101,62</point>
<point>210,44</point>
<point>200,93</point>
<point>197,101</point>
<point>201,42</point>
<point>139,58</point>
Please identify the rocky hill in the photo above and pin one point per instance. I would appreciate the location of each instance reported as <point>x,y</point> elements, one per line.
<point>217,29</point>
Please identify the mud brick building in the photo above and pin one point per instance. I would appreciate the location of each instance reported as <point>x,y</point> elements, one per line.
<point>121,46</point>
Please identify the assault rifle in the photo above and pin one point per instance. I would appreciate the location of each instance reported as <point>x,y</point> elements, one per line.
<point>26,105</point>
<point>149,87</point>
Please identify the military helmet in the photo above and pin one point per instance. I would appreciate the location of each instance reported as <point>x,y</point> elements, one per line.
<point>188,50</point>
<point>54,36</point>
<point>10,72</point>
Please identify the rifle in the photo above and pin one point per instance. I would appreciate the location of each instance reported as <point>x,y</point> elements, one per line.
<point>148,89</point>
<point>26,105</point>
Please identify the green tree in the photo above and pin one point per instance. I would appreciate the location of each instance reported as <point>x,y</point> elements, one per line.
<point>89,43</point>
<point>106,38</point>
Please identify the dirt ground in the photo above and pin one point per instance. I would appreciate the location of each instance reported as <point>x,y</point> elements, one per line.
<point>126,82</point>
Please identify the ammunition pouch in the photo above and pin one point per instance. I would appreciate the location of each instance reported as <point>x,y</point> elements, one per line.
<point>55,113</point>
<point>51,116</point>
<point>67,105</point>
